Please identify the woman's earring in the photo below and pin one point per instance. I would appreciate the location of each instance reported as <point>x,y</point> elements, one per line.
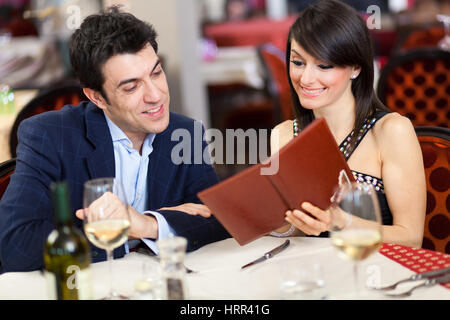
<point>353,77</point>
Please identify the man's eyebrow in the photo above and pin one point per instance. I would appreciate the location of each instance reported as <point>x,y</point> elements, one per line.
<point>157,63</point>
<point>121,83</point>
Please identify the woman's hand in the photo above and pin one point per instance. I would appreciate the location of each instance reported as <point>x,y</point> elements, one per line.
<point>319,222</point>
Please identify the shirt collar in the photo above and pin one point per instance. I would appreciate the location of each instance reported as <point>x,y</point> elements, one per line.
<point>118,135</point>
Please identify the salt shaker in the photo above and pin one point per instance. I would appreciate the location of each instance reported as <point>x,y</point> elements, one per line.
<point>172,251</point>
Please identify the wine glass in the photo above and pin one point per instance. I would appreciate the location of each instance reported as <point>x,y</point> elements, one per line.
<point>356,220</point>
<point>106,219</point>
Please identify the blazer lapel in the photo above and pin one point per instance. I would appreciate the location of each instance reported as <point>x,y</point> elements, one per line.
<point>160,168</point>
<point>101,161</point>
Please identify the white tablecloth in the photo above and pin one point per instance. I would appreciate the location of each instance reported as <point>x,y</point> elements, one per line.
<point>219,275</point>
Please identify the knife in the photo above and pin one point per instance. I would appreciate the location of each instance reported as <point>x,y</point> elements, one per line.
<point>269,254</point>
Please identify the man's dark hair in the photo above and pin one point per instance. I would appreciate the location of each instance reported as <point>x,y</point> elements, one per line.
<point>102,36</point>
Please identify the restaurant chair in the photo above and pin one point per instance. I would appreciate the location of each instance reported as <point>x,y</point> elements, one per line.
<point>48,99</point>
<point>273,106</point>
<point>277,107</point>
<point>273,60</point>
<point>416,84</point>
<point>420,38</point>
<point>6,170</point>
<point>435,145</point>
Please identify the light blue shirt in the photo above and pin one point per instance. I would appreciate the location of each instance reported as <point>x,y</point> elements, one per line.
<point>131,169</point>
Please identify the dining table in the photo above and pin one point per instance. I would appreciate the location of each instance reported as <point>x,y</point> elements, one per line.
<point>234,65</point>
<point>217,274</point>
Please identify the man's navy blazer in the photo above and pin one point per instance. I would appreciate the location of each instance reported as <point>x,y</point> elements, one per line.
<point>74,144</point>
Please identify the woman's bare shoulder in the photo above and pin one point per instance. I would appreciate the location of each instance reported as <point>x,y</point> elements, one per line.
<point>284,127</point>
<point>395,132</point>
<point>393,126</point>
<point>281,135</point>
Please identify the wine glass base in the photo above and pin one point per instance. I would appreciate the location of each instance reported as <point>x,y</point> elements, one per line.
<point>115,297</point>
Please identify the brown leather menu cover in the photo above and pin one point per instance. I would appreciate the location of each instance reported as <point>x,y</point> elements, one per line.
<point>250,205</point>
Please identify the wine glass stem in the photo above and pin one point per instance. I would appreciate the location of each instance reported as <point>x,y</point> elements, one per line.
<point>110,258</point>
<point>355,278</point>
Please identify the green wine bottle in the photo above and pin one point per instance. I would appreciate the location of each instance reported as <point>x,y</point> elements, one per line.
<point>67,255</point>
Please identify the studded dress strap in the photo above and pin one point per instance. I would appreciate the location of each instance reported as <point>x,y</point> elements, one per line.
<point>345,146</point>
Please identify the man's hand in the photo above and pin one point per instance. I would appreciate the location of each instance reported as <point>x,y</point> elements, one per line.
<point>192,209</point>
<point>109,205</point>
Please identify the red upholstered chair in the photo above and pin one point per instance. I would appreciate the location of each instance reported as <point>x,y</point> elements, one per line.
<point>274,63</point>
<point>435,144</point>
<point>6,170</point>
<point>416,84</point>
<point>48,99</point>
<point>427,37</point>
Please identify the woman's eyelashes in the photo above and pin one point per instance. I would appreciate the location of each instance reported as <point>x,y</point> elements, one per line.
<point>300,63</point>
<point>325,66</point>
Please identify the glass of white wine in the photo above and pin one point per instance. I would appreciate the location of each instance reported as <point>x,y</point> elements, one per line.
<point>106,219</point>
<point>356,232</point>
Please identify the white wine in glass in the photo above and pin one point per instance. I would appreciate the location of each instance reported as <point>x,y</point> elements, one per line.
<point>107,234</point>
<point>106,219</point>
<point>356,232</point>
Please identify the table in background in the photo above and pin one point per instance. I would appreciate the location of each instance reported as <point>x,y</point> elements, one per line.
<point>234,65</point>
<point>21,98</point>
<point>250,32</point>
<point>219,275</point>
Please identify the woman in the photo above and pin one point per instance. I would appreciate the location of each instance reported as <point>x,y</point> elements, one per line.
<point>330,69</point>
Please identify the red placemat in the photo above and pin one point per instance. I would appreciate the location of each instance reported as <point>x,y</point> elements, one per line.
<point>417,260</point>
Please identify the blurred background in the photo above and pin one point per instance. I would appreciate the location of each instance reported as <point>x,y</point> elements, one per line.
<point>224,59</point>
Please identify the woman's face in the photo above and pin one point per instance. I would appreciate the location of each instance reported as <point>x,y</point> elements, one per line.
<point>317,83</point>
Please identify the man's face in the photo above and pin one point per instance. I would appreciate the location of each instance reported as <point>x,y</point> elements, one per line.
<point>137,91</point>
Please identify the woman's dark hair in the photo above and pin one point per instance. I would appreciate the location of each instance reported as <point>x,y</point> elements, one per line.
<point>102,36</point>
<point>335,33</point>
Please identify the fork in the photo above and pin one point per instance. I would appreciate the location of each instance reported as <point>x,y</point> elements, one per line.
<point>414,277</point>
<point>428,283</point>
<point>186,268</point>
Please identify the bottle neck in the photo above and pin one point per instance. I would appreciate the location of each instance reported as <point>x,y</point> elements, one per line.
<point>61,223</point>
<point>61,205</point>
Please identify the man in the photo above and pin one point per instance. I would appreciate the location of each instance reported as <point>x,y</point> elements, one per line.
<point>123,131</point>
